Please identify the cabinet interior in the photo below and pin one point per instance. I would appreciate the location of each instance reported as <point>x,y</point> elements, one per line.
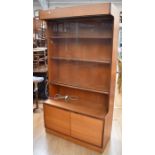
<point>80,55</point>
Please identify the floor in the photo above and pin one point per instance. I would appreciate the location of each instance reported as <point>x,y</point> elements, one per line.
<point>48,144</point>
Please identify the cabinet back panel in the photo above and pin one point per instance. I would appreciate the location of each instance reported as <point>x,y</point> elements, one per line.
<point>84,96</point>
<point>91,49</point>
<point>81,74</point>
<point>90,102</point>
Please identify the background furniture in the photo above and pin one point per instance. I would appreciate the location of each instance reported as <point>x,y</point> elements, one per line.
<point>82,51</point>
<point>36,80</point>
<point>40,59</point>
<point>39,32</point>
<point>40,69</point>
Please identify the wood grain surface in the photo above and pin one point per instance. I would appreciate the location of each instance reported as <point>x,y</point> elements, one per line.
<point>76,11</point>
<point>87,129</point>
<point>57,119</point>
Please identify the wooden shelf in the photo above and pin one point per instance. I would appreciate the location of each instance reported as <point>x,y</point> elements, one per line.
<point>80,88</point>
<point>81,37</point>
<point>94,110</point>
<point>82,60</point>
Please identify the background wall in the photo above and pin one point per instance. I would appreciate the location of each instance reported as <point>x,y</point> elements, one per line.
<point>45,4</point>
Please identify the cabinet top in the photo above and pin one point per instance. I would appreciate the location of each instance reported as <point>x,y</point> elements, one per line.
<point>98,9</point>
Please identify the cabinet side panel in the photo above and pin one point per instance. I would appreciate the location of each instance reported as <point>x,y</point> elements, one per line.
<point>107,130</point>
<point>114,58</point>
<point>109,117</point>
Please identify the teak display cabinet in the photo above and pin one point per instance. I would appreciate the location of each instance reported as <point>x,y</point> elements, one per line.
<point>82,48</point>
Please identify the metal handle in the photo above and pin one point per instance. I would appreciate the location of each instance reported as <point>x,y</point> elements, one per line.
<point>66,97</point>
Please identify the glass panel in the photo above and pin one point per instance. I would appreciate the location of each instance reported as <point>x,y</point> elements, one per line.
<point>81,53</point>
<point>83,28</point>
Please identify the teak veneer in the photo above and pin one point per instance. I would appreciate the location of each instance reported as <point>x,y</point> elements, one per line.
<point>82,50</point>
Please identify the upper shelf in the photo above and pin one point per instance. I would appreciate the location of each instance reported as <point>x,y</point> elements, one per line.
<point>82,60</point>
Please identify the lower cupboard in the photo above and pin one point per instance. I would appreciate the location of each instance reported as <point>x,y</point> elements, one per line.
<point>83,128</point>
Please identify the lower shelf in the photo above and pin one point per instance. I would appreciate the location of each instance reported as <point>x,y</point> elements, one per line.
<point>80,88</point>
<point>89,109</point>
<point>81,60</point>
